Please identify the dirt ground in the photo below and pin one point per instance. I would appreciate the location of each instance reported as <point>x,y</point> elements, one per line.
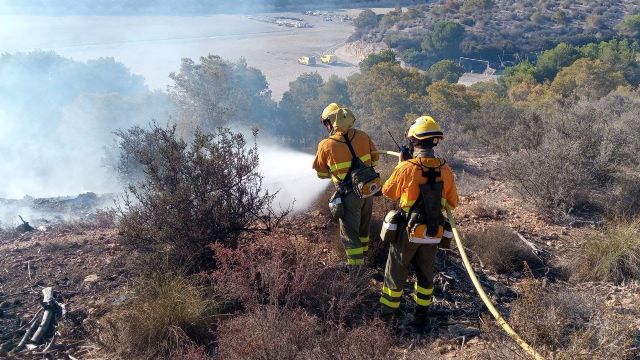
<point>91,273</point>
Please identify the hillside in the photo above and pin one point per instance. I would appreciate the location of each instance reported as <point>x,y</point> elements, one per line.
<point>200,257</point>
<point>94,275</point>
<point>500,31</point>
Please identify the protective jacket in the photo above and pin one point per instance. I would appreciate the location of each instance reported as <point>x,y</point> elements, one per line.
<point>405,181</point>
<point>333,158</point>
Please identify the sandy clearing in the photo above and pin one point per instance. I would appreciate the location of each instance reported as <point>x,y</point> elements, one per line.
<point>153,45</point>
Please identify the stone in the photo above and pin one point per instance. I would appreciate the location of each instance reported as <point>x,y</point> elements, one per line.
<point>91,278</point>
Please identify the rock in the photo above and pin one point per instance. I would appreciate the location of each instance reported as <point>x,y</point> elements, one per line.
<point>501,290</point>
<point>461,330</point>
<point>91,278</point>
<point>119,300</point>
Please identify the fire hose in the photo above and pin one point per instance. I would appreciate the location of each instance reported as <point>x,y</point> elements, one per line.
<point>476,283</point>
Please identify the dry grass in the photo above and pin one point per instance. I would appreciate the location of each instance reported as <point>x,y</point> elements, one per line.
<point>612,254</point>
<point>500,249</point>
<point>167,317</point>
<point>486,210</point>
<point>469,184</point>
<point>289,272</point>
<point>564,323</point>
<point>273,333</point>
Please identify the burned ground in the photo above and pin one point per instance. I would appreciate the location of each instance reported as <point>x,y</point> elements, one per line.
<point>92,274</point>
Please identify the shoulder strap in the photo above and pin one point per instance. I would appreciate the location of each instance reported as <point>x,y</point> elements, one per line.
<point>431,174</point>
<point>346,139</point>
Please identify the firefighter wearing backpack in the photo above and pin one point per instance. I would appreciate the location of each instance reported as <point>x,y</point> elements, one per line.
<point>347,157</point>
<point>422,184</point>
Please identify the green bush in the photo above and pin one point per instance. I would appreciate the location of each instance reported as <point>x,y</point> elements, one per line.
<point>444,40</point>
<point>630,26</point>
<point>384,56</point>
<point>446,70</point>
<point>189,195</point>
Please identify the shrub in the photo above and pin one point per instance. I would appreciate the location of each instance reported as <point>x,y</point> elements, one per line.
<point>500,249</point>
<point>571,323</point>
<point>289,272</point>
<point>191,195</point>
<point>587,79</point>
<point>486,210</point>
<point>627,202</point>
<point>271,333</point>
<point>558,186</point>
<point>630,26</point>
<point>167,315</point>
<point>446,70</point>
<point>384,56</point>
<point>610,255</point>
<point>578,155</point>
<point>444,40</point>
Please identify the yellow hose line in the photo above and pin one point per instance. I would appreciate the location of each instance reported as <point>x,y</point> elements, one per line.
<point>476,283</point>
<point>503,323</point>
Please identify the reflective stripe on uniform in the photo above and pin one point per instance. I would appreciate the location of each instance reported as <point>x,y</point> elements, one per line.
<point>390,226</point>
<point>355,261</point>
<point>421,302</point>
<point>374,163</point>
<point>425,240</point>
<point>407,205</point>
<point>447,234</point>
<point>420,290</point>
<point>338,178</point>
<point>347,164</point>
<point>355,251</point>
<point>389,303</point>
<point>322,174</point>
<point>392,293</point>
<point>364,239</point>
<point>339,166</point>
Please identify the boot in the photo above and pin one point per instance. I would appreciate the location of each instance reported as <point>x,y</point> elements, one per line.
<point>421,317</point>
<point>387,316</point>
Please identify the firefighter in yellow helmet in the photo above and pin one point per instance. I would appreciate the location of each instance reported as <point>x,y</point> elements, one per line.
<point>334,160</point>
<point>422,184</point>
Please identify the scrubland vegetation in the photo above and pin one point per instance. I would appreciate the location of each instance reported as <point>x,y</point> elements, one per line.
<point>233,279</point>
<point>488,29</point>
<point>564,131</point>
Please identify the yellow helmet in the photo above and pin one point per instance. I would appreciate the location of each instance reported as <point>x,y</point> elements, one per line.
<point>341,118</point>
<point>330,109</point>
<point>425,127</point>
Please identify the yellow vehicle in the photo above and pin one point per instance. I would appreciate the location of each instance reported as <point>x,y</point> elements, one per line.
<point>307,60</point>
<point>329,59</point>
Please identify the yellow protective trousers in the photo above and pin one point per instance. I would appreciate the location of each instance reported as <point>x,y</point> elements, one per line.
<point>354,227</point>
<point>402,255</point>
